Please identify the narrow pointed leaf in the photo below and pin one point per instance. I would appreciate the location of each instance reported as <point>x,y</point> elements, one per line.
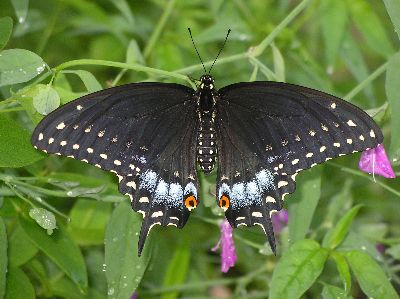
<point>343,269</point>
<point>3,257</point>
<point>6,25</point>
<point>19,285</point>
<point>60,248</point>
<point>124,269</point>
<point>336,235</point>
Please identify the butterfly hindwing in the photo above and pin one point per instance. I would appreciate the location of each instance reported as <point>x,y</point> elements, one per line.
<point>143,132</point>
<point>270,131</point>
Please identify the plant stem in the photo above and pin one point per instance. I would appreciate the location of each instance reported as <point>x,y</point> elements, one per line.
<point>258,50</point>
<point>380,70</point>
<point>130,66</point>
<point>157,31</point>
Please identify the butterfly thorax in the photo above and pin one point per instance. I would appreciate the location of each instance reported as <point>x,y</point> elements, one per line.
<point>206,138</point>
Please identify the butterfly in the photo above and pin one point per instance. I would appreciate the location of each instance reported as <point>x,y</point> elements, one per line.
<point>153,136</point>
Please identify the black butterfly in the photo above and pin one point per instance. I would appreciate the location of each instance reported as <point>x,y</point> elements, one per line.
<point>152,135</point>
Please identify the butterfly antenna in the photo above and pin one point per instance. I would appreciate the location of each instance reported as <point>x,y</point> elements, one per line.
<point>191,37</point>
<point>226,38</point>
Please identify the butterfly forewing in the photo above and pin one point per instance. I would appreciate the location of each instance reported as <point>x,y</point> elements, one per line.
<point>268,132</point>
<point>145,133</point>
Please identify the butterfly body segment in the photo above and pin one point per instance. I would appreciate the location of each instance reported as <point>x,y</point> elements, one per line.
<point>260,134</point>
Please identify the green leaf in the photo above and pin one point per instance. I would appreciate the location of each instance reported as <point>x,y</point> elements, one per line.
<point>370,276</point>
<point>343,269</point>
<point>64,288</point>
<point>6,25</point>
<point>133,53</point>
<point>279,64</point>
<point>46,99</point>
<point>371,27</point>
<point>18,66</point>
<point>392,92</point>
<point>336,235</point>
<point>21,9</point>
<point>17,150</point>
<point>333,292</point>
<point>44,218</point>
<point>302,204</point>
<point>393,9</point>
<point>21,248</point>
<point>351,54</point>
<point>89,219</point>
<point>18,285</point>
<point>334,18</point>
<point>177,270</point>
<point>356,241</point>
<point>60,248</point>
<point>90,81</point>
<point>124,269</point>
<point>297,270</point>
<point>394,251</point>
<point>3,257</point>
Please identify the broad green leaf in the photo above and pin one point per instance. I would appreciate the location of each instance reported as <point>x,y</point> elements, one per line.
<point>343,269</point>
<point>302,204</point>
<point>177,270</point>
<point>370,276</point>
<point>6,25</point>
<point>44,218</point>
<point>19,65</point>
<point>46,99</point>
<point>298,269</point>
<point>60,248</point>
<point>21,248</point>
<point>19,285</point>
<point>3,257</point>
<point>392,92</point>
<point>89,219</point>
<point>334,18</point>
<point>337,234</point>
<point>90,81</point>
<point>394,251</point>
<point>393,9</point>
<point>371,27</point>
<point>333,292</point>
<point>124,269</point>
<point>15,150</point>
<point>21,9</point>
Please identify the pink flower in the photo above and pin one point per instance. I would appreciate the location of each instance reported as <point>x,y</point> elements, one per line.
<point>376,161</point>
<point>228,252</point>
<point>280,220</point>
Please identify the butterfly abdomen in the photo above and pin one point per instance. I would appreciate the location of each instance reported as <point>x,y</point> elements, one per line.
<point>206,143</point>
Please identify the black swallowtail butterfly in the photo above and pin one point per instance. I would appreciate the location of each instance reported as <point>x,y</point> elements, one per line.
<point>152,135</point>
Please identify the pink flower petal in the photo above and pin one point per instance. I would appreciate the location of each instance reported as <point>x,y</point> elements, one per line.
<point>376,161</point>
<point>280,220</point>
<point>228,251</point>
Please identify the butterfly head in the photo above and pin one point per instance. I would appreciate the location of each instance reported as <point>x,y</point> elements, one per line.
<point>207,82</point>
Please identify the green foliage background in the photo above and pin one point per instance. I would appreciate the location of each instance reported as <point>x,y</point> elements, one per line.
<point>66,232</point>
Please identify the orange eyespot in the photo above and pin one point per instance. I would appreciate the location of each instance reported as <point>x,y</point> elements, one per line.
<point>190,202</point>
<point>224,202</point>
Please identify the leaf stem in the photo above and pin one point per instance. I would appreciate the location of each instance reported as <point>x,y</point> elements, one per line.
<point>380,70</point>
<point>157,31</point>
<point>130,66</point>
